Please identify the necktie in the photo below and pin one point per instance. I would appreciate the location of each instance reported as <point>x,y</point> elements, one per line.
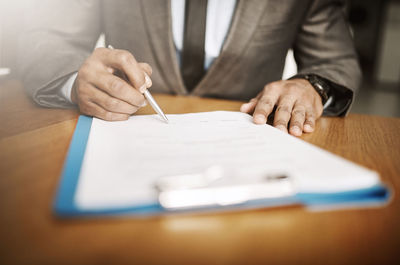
<point>193,42</point>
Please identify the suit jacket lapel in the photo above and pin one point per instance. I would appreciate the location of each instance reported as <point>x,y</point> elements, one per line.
<point>244,23</point>
<point>157,16</point>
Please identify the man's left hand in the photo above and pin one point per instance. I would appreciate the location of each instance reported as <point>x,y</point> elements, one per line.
<point>298,106</point>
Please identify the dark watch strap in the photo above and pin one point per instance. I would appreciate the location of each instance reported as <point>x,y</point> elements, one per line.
<point>319,84</point>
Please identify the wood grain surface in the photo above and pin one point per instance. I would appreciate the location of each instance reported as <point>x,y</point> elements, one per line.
<point>33,146</point>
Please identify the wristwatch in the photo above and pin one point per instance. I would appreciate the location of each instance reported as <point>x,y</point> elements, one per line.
<point>319,84</point>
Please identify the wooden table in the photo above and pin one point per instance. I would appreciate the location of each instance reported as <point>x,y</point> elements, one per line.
<point>33,146</point>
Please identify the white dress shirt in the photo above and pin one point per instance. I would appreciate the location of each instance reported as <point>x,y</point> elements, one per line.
<point>219,16</point>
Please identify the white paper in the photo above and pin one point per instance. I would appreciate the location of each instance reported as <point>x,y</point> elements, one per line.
<point>124,159</point>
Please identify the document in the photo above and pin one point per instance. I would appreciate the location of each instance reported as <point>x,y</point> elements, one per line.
<point>123,160</point>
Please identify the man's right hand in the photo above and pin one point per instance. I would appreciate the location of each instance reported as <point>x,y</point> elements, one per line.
<point>100,93</point>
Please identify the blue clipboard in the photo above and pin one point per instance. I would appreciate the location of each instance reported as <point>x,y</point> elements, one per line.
<point>65,205</point>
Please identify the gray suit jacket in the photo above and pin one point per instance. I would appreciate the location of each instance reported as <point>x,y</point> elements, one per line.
<point>61,35</point>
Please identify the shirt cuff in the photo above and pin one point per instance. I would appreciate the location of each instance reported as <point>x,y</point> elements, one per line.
<point>67,87</point>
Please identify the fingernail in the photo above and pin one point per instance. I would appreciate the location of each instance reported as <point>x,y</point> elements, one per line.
<point>110,70</point>
<point>295,130</point>
<point>308,128</point>
<point>144,104</point>
<point>282,128</point>
<point>260,119</point>
<point>143,88</point>
<point>244,107</point>
<point>147,80</point>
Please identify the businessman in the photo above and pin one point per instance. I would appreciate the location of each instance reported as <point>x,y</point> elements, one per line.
<point>232,49</point>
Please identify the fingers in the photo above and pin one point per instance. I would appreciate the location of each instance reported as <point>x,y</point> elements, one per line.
<point>297,120</point>
<point>95,102</point>
<point>250,106</point>
<point>297,105</point>
<point>126,62</point>
<point>119,89</point>
<point>309,123</point>
<point>147,68</point>
<point>265,104</point>
<point>147,73</point>
<point>111,104</point>
<point>283,112</point>
<point>108,84</point>
<point>92,109</point>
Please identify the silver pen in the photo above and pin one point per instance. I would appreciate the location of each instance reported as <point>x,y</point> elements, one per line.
<point>151,100</point>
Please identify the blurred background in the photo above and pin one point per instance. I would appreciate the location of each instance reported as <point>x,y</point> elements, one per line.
<point>376,30</point>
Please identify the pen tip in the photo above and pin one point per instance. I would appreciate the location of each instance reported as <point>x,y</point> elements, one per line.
<point>165,118</point>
